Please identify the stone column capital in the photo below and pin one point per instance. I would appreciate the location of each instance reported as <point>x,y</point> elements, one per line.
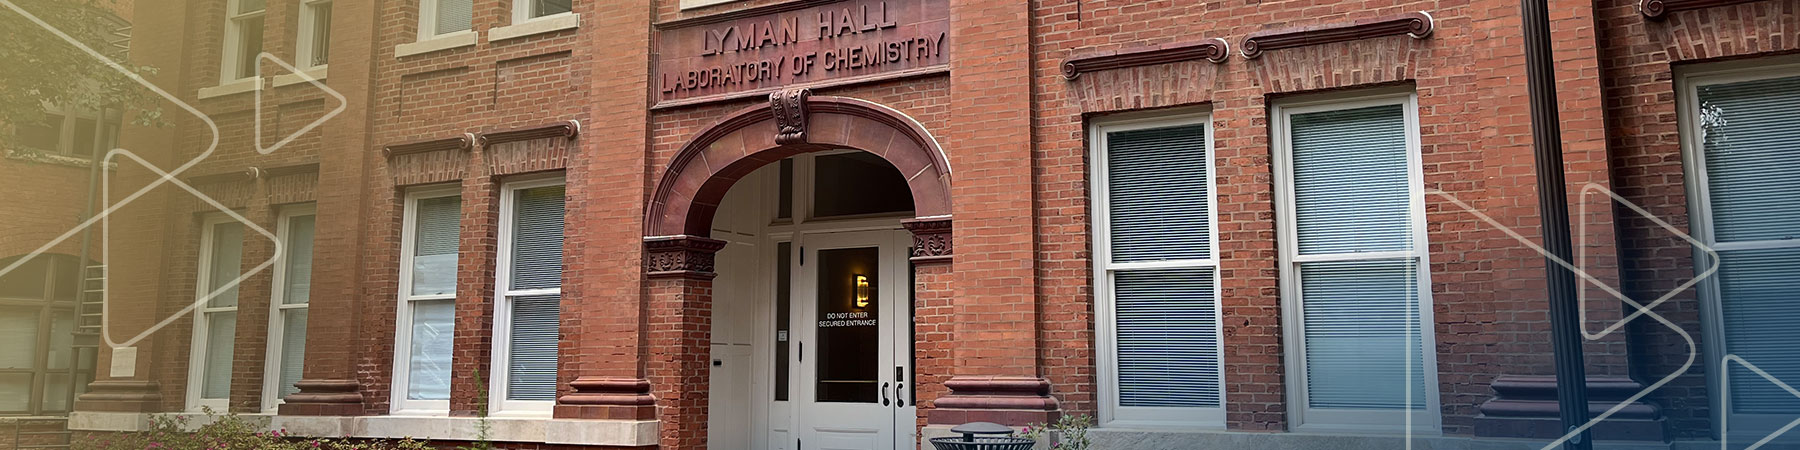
<point>931,239</point>
<point>680,256</point>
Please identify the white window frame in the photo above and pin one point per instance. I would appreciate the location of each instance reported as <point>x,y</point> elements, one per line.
<point>304,42</point>
<point>1301,417</point>
<point>278,309</point>
<point>1112,414</point>
<point>228,60</point>
<point>403,309</point>
<point>503,296</point>
<point>521,12</point>
<point>197,354</point>
<point>1700,220</point>
<point>428,22</point>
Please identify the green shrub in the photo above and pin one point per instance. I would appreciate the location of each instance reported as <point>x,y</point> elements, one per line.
<point>229,432</point>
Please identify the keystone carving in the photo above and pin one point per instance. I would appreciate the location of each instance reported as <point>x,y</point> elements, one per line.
<point>789,106</point>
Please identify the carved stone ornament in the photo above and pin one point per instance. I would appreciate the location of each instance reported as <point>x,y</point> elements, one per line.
<point>464,142</point>
<point>567,129</point>
<point>680,256</point>
<point>1215,50</point>
<point>789,106</point>
<point>1658,9</point>
<point>931,239</point>
<point>1416,24</point>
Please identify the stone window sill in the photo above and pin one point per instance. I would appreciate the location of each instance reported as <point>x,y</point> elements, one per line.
<point>612,433</point>
<point>316,73</point>
<point>445,42</point>
<point>541,25</point>
<point>251,84</point>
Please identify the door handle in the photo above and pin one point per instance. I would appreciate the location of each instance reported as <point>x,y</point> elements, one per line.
<point>884,396</point>
<point>899,386</point>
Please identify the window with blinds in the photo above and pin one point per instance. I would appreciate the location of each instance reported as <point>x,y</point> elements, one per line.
<point>427,307</point>
<point>1156,269</point>
<point>315,34</point>
<point>1352,252</point>
<point>291,296</point>
<point>243,39</point>
<point>440,17</point>
<point>1740,133</point>
<point>530,279</point>
<point>215,328</point>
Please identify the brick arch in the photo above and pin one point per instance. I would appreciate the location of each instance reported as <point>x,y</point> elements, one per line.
<point>698,176</point>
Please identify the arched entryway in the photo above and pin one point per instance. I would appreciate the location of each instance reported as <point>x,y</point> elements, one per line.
<point>680,251</point>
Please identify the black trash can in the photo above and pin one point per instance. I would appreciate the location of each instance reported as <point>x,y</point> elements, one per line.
<point>970,441</point>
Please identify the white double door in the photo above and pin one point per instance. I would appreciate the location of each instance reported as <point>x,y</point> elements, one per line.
<point>852,311</point>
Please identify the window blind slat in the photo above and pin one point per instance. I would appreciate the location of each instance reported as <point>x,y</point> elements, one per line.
<point>531,372</point>
<point>215,383</point>
<point>1168,349</point>
<point>454,15</point>
<point>1157,194</point>
<point>1747,132</point>
<point>293,350</point>
<point>297,278</point>
<point>435,240</point>
<point>537,247</point>
<point>1361,322</point>
<point>1350,180</point>
<point>225,264</point>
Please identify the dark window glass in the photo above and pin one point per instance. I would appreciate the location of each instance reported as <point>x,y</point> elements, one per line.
<point>541,8</point>
<point>250,44</point>
<point>784,205</point>
<point>321,35</point>
<point>85,129</point>
<point>856,183</point>
<point>848,326</point>
<point>783,320</point>
<point>42,135</point>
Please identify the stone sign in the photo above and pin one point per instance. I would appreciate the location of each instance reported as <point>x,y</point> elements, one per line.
<point>832,43</point>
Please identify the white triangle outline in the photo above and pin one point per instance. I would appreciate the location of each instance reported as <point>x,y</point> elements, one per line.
<point>343,104</point>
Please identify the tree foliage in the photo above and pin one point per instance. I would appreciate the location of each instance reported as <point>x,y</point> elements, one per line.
<point>39,69</point>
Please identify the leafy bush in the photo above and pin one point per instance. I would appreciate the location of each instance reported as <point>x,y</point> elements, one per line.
<point>1070,432</point>
<point>229,432</point>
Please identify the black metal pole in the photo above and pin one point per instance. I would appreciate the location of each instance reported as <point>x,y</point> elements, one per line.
<point>1553,207</point>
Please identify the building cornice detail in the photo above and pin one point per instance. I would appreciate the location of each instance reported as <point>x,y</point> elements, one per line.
<point>1418,24</point>
<point>1215,50</point>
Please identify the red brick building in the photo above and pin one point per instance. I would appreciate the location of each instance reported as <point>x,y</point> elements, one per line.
<point>851,224</point>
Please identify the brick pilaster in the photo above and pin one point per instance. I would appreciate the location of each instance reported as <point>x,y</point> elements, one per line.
<point>678,333</point>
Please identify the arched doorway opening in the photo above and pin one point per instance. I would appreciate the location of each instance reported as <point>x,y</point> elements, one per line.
<point>798,236</point>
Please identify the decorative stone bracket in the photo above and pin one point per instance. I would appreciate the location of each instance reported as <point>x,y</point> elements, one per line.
<point>324,398</point>
<point>1416,24</point>
<point>931,239</point>
<point>680,256</point>
<point>567,129</point>
<point>789,106</point>
<point>1659,9</point>
<point>1215,50</point>
<point>464,142</point>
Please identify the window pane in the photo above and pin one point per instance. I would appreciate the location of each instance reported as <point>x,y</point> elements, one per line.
<point>537,247</point>
<point>250,44</point>
<point>225,264</point>
<point>783,289</point>
<point>15,392</point>
<point>1747,131</point>
<point>43,135</point>
<point>250,6</point>
<point>531,373</point>
<point>435,240</point>
<point>27,281</point>
<point>1157,194</point>
<point>1351,186</point>
<point>453,15</point>
<point>293,349</point>
<point>849,331</point>
<point>784,203</point>
<point>1363,343</point>
<point>85,129</point>
<point>18,337</point>
<point>540,8</point>
<point>62,340</point>
<point>321,34</point>
<point>297,277</point>
<point>433,323</point>
<point>56,392</point>
<point>1168,347</point>
<point>858,183</point>
<point>221,328</point>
